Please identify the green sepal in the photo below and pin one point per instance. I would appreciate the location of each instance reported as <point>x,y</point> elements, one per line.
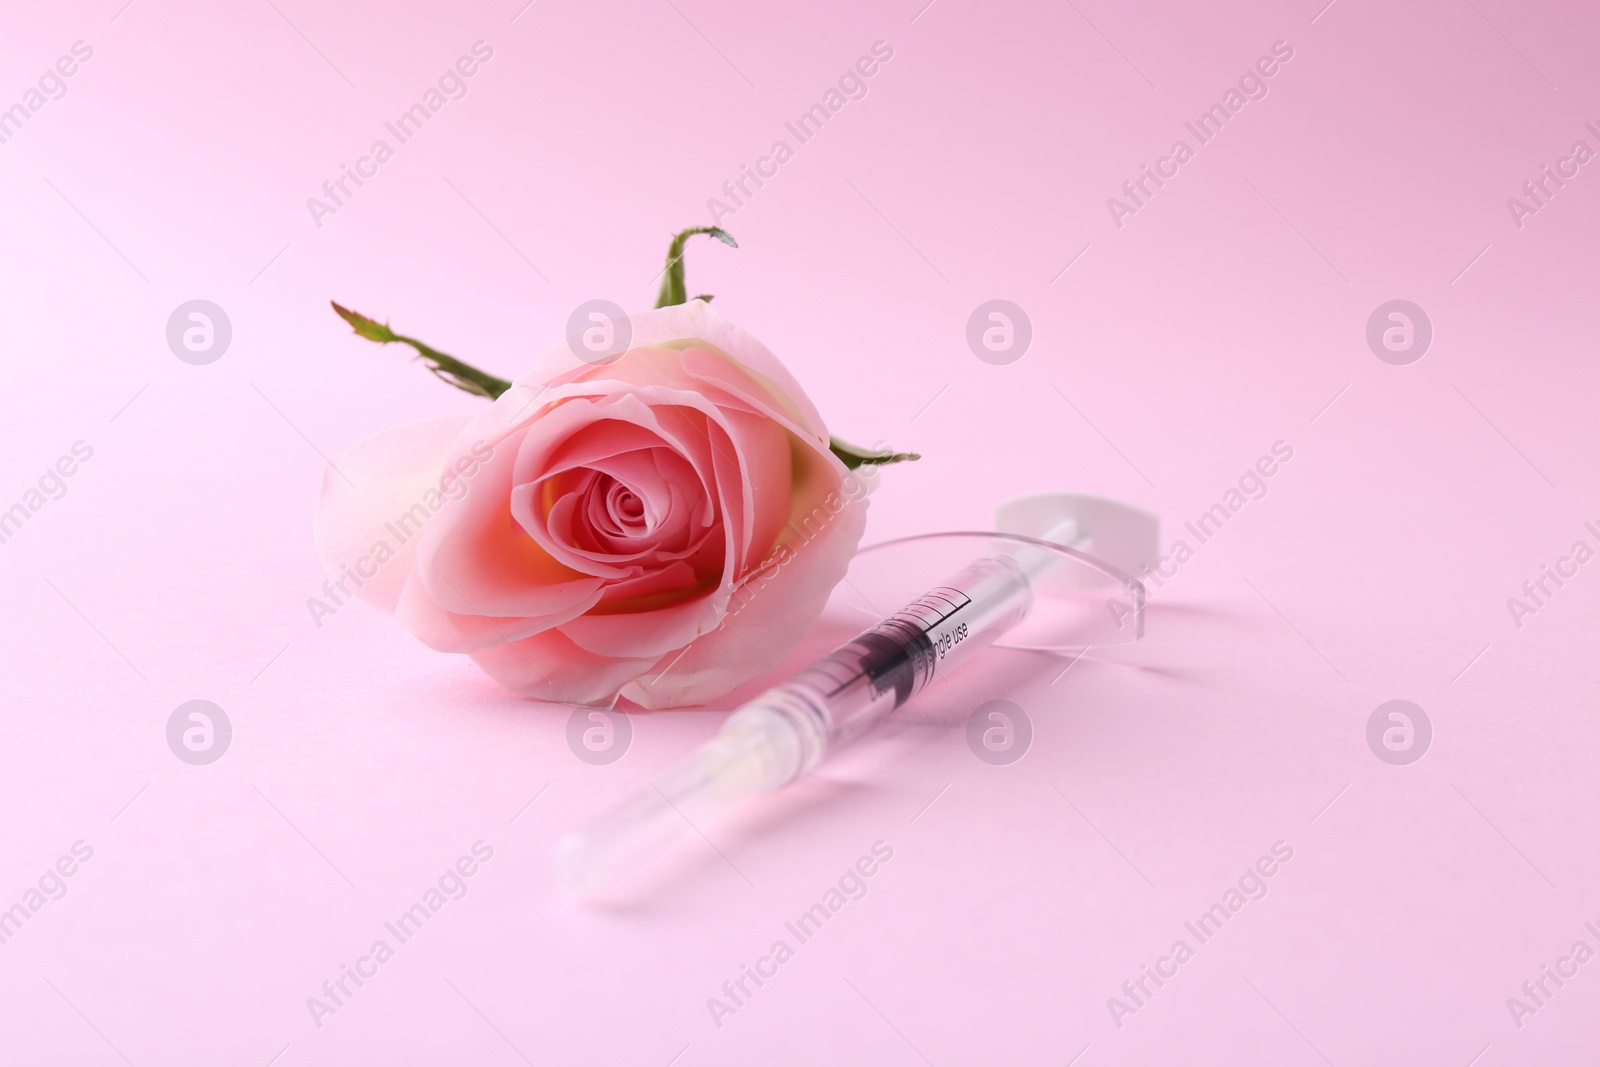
<point>463,376</point>
<point>672,289</point>
<point>853,456</point>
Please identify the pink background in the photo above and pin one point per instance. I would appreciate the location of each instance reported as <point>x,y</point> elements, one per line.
<point>1224,316</point>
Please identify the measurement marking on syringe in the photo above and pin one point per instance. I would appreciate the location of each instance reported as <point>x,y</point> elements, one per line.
<point>936,595</point>
<point>942,642</point>
<point>899,654</point>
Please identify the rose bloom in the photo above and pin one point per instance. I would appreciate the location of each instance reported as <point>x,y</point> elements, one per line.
<point>663,526</point>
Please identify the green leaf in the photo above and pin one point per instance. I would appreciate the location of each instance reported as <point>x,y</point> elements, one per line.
<point>463,376</point>
<point>853,456</point>
<point>672,289</point>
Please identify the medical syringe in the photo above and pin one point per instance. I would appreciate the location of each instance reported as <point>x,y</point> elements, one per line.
<point>787,730</point>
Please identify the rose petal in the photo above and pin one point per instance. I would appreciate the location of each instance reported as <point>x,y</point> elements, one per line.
<point>385,480</point>
<point>687,322</point>
<point>551,667</point>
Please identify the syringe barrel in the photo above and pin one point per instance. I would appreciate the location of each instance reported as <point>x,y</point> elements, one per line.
<point>865,678</point>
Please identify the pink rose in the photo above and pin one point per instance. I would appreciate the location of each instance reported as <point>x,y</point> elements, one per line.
<point>664,526</point>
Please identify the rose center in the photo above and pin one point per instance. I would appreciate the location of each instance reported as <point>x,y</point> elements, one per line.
<point>622,513</point>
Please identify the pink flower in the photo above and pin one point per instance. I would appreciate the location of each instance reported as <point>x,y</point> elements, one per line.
<point>664,526</point>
